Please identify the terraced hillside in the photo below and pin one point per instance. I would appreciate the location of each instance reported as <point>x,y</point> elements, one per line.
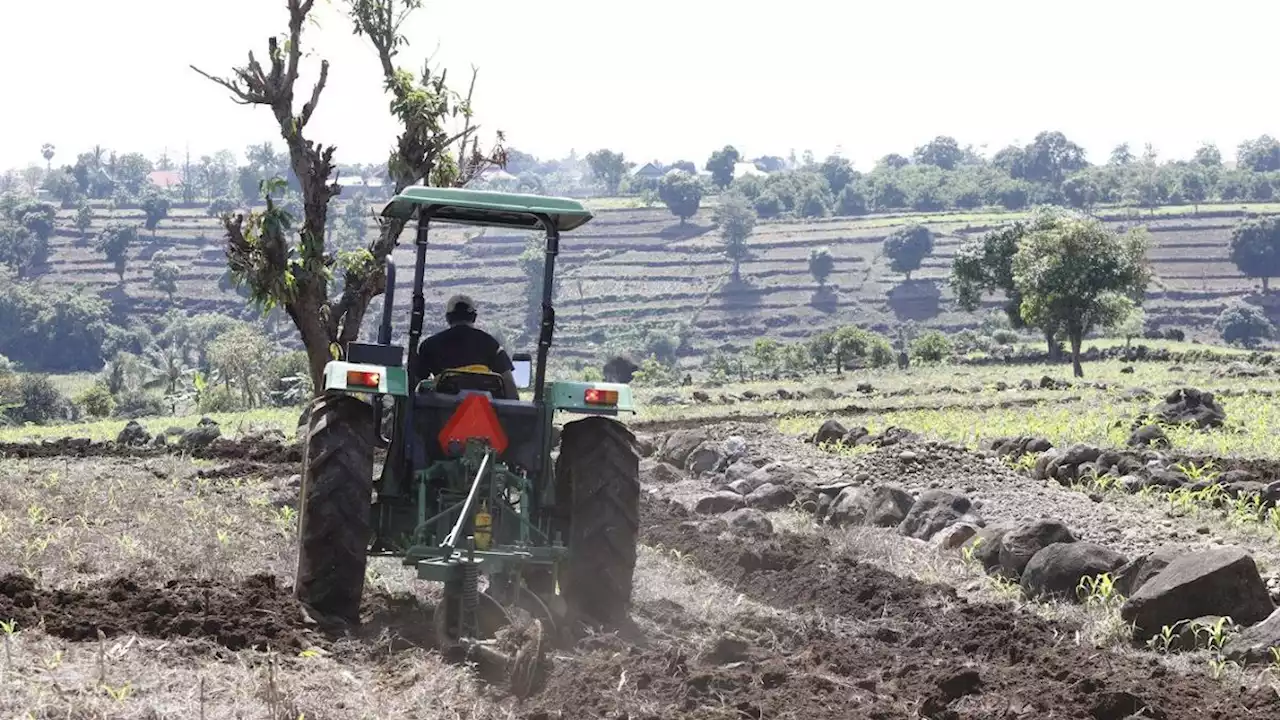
<point>634,269</point>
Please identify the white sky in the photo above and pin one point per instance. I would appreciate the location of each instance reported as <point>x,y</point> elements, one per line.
<point>664,79</point>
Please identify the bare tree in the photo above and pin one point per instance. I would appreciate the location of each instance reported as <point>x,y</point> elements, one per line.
<point>259,245</point>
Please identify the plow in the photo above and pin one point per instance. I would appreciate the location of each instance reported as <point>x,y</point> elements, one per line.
<point>529,529</point>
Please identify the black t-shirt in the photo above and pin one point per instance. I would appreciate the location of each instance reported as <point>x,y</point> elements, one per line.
<point>459,346</point>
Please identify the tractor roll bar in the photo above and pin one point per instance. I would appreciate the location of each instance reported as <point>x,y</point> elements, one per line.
<point>548,322</point>
<point>388,303</point>
<point>419,301</point>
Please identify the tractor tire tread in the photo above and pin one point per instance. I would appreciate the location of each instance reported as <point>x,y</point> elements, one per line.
<point>334,507</point>
<point>599,467</point>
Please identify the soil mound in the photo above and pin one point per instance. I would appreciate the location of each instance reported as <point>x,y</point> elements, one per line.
<point>259,450</point>
<point>256,613</point>
<point>920,650</point>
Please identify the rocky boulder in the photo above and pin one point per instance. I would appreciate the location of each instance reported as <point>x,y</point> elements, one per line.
<point>751,521</point>
<point>1189,406</point>
<point>1056,571</point>
<point>1253,644</point>
<point>849,507</point>
<point>1021,543</point>
<point>934,510</point>
<point>1016,447</point>
<point>770,497</point>
<point>720,503</point>
<point>681,444</point>
<point>707,457</point>
<point>659,473</point>
<point>984,546</point>
<point>1148,436</point>
<point>1220,581</point>
<point>1135,573</point>
<point>202,435</point>
<point>133,434</point>
<point>830,432</point>
<point>888,506</point>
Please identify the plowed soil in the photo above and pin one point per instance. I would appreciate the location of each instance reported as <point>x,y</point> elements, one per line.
<point>270,452</point>
<point>893,648</point>
<point>256,613</point>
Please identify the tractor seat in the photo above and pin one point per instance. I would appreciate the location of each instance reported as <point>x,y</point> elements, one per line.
<point>470,377</point>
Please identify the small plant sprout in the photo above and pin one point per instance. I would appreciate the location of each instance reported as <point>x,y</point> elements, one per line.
<point>1099,591</point>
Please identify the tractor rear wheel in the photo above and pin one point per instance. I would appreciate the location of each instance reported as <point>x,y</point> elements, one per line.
<point>333,514</point>
<point>599,468</point>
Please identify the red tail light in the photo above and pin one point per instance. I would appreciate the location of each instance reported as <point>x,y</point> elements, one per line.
<point>595,396</point>
<point>363,379</point>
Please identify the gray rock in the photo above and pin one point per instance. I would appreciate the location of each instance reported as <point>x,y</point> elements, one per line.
<point>741,487</point>
<point>781,474</point>
<point>733,448</point>
<point>984,547</point>
<point>739,470</point>
<point>849,507</point>
<point>707,457</point>
<point>1056,571</point>
<point>830,432</point>
<point>660,473</point>
<point>133,434</point>
<point>720,503</point>
<point>680,444</point>
<point>1189,406</point>
<point>645,446</point>
<point>770,497</point>
<point>888,506</point>
<point>1022,543</point>
<point>1253,644</point>
<point>1079,454</point>
<point>750,520</point>
<point>1220,581</point>
<point>932,511</point>
<point>1148,436</point>
<point>954,536</point>
<point>1043,470</point>
<point>202,435</point>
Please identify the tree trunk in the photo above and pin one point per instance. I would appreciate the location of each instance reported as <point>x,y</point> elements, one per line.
<point>1077,338</point>
<point>1051,345</point>
<point>305,314</point>
<point>1266,285</point>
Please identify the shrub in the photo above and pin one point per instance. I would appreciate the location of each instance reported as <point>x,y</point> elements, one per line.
<point>880,352</point>
<point>1005,337</point>
<point>96,401</point>
<point>132,404</point>
<point>222,399</point>
<point>931,346</point>
<point>41,401</point>
<point>1243,323</point>
<point>654,374</point>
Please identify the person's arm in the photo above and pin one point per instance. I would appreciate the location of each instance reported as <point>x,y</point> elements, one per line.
<point>502,363</point>
<point>509,382</point>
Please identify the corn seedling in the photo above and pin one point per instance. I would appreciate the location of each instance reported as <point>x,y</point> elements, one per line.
<point>9,628</point>
<point>969,549</point>
<point>1218,667</point>
<point>1099,591</point>
<point>1248,509</point>
<point>119,694</point>
<point>1197,473</point>
<point>1164,641</point>
<point>1216,634</point>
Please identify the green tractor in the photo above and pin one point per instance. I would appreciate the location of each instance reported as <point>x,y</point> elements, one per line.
<point>468,489</point>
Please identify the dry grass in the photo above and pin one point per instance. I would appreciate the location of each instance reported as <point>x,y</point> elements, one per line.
<point>71,521</point>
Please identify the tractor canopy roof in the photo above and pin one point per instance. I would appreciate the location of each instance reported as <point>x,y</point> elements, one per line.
<point>477,207</point>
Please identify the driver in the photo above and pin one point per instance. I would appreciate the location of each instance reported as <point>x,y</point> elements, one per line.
<point>462,344</point>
